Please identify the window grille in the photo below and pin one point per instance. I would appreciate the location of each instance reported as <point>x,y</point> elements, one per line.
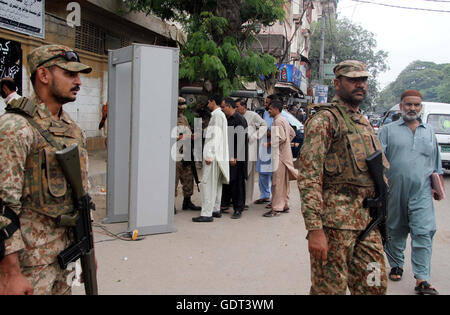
<point>92,37</point>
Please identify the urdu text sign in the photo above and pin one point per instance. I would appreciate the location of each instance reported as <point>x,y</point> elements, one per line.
<point>27,17</point>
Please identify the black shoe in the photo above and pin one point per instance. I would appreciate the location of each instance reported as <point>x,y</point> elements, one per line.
<point>217,214</point>
<point>236,215</point>
<point>202,219</point>
<point>174,210</point>
<point>188,205</point>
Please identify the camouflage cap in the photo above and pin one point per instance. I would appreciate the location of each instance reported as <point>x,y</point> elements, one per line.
<point>39,56</point>
<point>351,69</point>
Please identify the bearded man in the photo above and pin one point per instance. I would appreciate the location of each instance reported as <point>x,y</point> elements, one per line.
<point>333,182</point>
<point>411,147</point>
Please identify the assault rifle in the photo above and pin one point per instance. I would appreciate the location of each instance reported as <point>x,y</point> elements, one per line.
<point>191,163</point>
<point>194,168</point>
<point>80,222</point>
<point>377,205</point>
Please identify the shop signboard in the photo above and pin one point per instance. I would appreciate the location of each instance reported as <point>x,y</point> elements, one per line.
<point>321,94</point>
<point>290,74</point>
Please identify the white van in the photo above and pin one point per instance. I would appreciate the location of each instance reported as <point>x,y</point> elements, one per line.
<point>438,116</point>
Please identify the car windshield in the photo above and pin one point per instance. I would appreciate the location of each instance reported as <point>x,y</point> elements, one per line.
<point>391,116</point>
<point>440,123</point>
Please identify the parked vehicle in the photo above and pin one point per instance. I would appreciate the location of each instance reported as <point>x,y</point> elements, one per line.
<point>293,121</point>
<point>438,116</point>
<point>390,116</point>
<point>375,123</point>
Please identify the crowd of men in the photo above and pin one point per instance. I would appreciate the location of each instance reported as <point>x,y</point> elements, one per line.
<point>333,177</point>
<point>238,144</point>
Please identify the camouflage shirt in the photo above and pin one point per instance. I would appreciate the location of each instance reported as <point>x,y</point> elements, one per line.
<point>327,198</point>
<point>38,241</point>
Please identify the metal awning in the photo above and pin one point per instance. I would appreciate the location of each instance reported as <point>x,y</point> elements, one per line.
<point>287,85</point>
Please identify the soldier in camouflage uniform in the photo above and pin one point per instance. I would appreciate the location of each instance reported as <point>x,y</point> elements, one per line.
<point>183,168</point>
<point>33,188</point>
<point>333,182</point>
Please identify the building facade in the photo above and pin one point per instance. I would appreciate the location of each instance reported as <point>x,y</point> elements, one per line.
<point>290,42</point>
<point>91,27</point>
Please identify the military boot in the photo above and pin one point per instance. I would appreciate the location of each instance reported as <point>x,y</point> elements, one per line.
<point>188,205</point>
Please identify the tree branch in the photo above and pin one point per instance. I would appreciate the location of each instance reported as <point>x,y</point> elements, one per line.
<point>289,43</point>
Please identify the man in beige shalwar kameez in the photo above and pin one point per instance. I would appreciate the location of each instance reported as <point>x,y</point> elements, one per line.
<point>282,160</point>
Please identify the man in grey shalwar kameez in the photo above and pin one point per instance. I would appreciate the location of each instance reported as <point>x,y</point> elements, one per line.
<point>411,147</point>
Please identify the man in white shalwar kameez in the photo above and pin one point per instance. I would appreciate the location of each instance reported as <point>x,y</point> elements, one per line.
<point>215,162</point>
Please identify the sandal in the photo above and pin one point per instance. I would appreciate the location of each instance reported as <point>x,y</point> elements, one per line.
<point>285,210</point>
<point>260,201</point>
<point>396,271</point>
<point>424,288</point>
<point>269,205</point>
<point>271,213</point>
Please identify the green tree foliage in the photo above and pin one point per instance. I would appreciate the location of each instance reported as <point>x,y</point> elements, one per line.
<point>430,79</point>
<point>219,37</point>
<point>347,41</point>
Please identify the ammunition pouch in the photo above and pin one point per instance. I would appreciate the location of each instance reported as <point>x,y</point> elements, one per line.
<point>8,230</point>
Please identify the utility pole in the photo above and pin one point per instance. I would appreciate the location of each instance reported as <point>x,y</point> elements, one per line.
<point>322,45</point>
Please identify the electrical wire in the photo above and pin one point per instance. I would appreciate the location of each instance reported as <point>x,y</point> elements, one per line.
<point>401,7</point>
<point>124,236</point>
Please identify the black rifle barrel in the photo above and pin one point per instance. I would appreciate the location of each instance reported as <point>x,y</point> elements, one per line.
<point>80,223</point>
<point>377,205</point>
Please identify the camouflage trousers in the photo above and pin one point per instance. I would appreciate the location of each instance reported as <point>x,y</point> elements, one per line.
<point>49,279</point>
<point>360,266</point>
<point>185,176</point>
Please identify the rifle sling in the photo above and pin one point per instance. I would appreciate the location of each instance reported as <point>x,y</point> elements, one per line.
<point>8,230</point>
<point>7,212</point>
<point>44,133</point>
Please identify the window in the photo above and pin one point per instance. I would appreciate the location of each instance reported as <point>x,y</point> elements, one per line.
<point>96,39</point>
<point>440,123</point>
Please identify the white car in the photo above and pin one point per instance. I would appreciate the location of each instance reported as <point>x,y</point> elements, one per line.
<point>293,120</point>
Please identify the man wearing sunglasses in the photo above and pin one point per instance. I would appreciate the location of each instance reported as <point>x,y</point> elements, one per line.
<point>33,189</point>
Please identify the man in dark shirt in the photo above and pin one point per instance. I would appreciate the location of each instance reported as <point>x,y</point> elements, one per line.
<point>238,146</point>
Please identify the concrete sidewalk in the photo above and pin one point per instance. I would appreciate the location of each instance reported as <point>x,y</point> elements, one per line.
<point>250,256</point>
